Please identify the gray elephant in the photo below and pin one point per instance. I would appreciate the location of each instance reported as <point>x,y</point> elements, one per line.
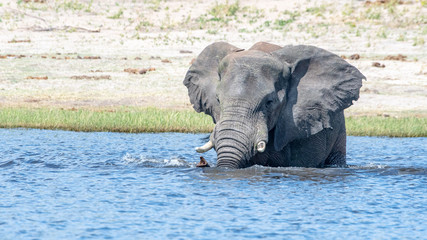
<point>274,106</point>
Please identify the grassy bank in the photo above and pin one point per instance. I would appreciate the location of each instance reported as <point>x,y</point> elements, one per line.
<point>387,126</point>
<point>120,120</point>
<point>166,120</point>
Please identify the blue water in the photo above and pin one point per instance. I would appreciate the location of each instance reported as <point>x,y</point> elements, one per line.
<point>68,185</point>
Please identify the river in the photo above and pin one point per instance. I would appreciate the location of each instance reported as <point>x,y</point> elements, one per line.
<point>74,185</point>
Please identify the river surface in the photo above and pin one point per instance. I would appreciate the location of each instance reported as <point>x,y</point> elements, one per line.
<point>70,185</point>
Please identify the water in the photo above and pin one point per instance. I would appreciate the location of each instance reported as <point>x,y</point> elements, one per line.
<point>68,185</point>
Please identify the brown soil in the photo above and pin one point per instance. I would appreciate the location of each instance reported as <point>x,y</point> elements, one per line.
<point>354,57</point>
<point>139,71</point>
<point>37,78</point>
<point>378,65</point>
<point>85,77</point>
<point>398,57</point>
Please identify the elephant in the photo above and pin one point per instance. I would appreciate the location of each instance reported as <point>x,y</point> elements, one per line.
<point>274,106</point>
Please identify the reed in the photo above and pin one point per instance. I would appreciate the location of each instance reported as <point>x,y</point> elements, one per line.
<point>130,120</point>
<point>136,120</point>
<point>387,126</point>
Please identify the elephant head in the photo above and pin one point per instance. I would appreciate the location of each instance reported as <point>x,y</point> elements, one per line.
<point>266,97</point>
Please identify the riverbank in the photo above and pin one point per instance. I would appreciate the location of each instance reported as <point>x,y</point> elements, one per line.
<point>107,56</point>
<point>138,120</point>
<point>126,119</point>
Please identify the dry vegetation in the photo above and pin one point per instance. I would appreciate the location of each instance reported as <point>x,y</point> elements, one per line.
<point>81,54</point>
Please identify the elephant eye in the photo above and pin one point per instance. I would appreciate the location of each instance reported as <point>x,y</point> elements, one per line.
<point>269,103</point>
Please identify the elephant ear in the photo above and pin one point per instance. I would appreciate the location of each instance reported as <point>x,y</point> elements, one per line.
<point>202,78</point>
<point>321,84</point>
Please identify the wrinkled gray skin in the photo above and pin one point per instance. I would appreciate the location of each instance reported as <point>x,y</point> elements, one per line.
<point>291,97</point>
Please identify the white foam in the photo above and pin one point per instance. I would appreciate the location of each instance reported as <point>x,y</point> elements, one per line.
<point>153,162</point>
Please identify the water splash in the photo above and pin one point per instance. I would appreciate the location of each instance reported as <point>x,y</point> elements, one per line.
<point>144,161</point>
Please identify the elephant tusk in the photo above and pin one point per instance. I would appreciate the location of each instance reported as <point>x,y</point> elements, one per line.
<point>260,147</point>
<point>208,146</point>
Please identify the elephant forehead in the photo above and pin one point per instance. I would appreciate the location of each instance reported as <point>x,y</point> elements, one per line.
<point>253,59</point>
<point>245,84</point>
<point>251,73</point>
<point>250,66</point>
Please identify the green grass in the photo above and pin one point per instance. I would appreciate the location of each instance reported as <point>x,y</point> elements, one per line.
<point>224,10</point>
<point>118,15</point>
<point>72,5</point>
<point>387,126</point>
<point>166,120</point>
<point>122,120</point>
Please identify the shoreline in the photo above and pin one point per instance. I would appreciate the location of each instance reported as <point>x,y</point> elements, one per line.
<point>155,120</point>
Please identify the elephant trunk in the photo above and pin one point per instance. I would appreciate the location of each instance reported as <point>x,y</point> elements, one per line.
<point>232,150</point>
<point>235,136</point>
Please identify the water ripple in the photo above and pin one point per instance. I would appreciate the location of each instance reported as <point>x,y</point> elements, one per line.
<point>68,185</point>
<point>6,163</point>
